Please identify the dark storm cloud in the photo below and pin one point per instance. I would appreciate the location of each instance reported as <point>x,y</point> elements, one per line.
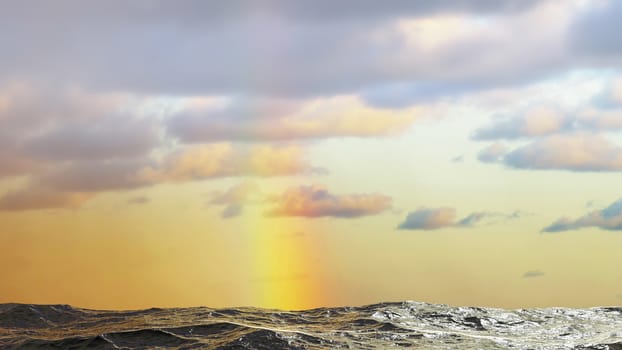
<point>609,218</point>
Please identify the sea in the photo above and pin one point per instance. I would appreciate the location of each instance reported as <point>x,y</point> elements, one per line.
<point>394,325</point>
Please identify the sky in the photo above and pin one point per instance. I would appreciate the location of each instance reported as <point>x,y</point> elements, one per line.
<point>304,154</point>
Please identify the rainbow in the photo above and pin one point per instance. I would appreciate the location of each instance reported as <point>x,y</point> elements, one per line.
<point>285,275</point>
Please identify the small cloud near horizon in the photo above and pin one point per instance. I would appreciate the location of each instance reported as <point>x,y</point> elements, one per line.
<point>138,200</point>
<point>235,198</point>
<point>533,274</point>
<point>443,217</point>
<point>609,218</point>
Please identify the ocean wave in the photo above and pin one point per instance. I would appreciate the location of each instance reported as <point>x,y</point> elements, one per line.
<point>378,326</point>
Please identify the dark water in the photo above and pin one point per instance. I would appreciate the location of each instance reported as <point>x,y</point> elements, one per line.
<point>380,326</point>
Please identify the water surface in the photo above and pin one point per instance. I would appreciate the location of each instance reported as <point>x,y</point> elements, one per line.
<point>381,326</point>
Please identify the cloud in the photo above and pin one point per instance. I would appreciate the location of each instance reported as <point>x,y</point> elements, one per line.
<point>492,153</point>
<point>533,274</point>
<point>34,198</point>
<point>306,201</point>
<point>12,165</point>
<point>231,210</point>
<point>473,219</point>
<point>61,179</point>
<point>318,47</point>
<point>68,185</point>
<point>192,163</point>
<point>574,152</point>
<point>537,121</point>
<point>41,126</point>
<point>94,112</point>
<point>196,11</point>
<point>138,200</point>
<point>544,120</point>
<point>609,218</point>
<point>32,108</point>
<point>105,138</point>
<point>558,139</point>
<point>235,198</point>
<point>560,225</point>
<point>443,217</point>
<point>274,120</point>
<point>96,176</point>
<point>429,219</point>
<point>610,96</point>
<point>226,160</point>
<point>590,33</point>
<point>593,119</point>
<point>316,201</point>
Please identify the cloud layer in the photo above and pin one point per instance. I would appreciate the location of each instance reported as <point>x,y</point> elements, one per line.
<point>277,120</point>
<point>231,48</point>
<point>241,89</point>
<point>557,137</point>
<point>62,182</point>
